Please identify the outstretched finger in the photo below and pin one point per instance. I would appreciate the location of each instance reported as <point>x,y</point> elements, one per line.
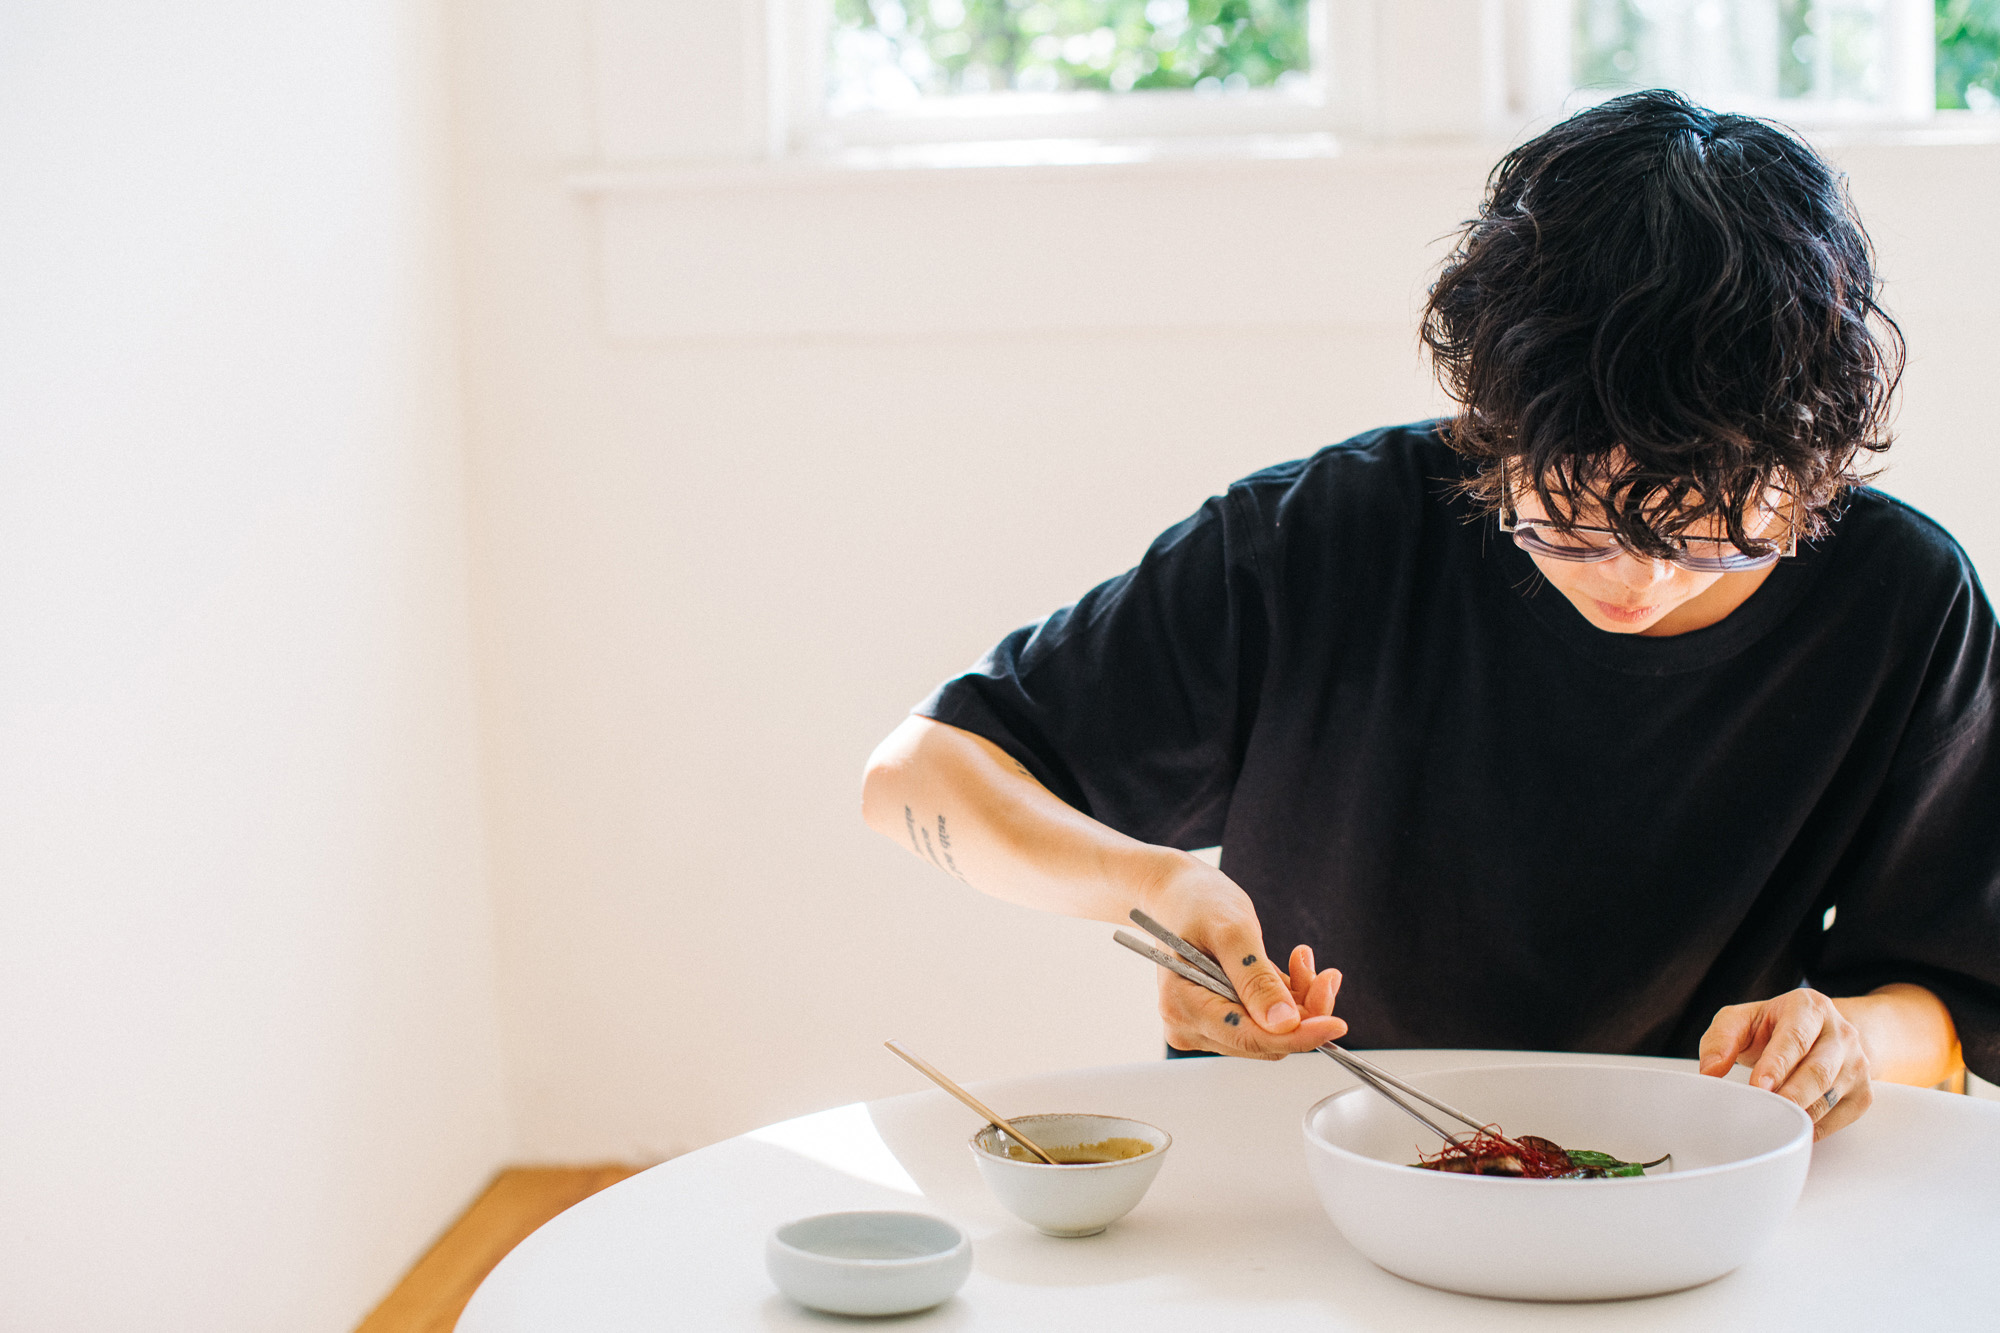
<point>1728,1037</point>
<point>1320,995</point>
<point>1300,973</point>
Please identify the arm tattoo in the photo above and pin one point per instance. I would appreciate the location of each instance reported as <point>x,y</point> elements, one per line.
<point>929,852</point>
<point>1249,960</point>
<point>945,863</point>
<point>944,845</point>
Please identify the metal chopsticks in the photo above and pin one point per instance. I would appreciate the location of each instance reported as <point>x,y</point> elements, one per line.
<point>1205,972</point>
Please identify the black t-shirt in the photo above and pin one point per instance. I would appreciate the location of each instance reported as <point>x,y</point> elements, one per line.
<point>1510,829</point>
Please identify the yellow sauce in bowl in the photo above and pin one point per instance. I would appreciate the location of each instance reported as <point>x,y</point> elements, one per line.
<point>1081,1154</point>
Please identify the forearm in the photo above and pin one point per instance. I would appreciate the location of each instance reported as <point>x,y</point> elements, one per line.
<point>963,804</point>
<point>1907,1032</point>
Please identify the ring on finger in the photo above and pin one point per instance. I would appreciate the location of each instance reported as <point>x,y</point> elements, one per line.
<point>1830,1100</point>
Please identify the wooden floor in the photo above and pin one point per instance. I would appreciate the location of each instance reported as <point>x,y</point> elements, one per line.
<point>431,1295</point>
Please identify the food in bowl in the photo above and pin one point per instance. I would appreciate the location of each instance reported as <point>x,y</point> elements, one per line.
<point>1740,1159</point>
<point>1114,1162</point>
<point>1114,1149</point>
<point>1531,1157</point>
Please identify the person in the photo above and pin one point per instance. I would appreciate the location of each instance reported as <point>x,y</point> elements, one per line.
<point>1613,713</point>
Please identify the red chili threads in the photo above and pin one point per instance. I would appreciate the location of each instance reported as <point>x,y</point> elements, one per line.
<point>1491,1153</point>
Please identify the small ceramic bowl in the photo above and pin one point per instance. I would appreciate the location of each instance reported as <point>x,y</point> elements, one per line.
<point>868,1263</point>
<point>1739,1161</point>
<point>1072,1199</point>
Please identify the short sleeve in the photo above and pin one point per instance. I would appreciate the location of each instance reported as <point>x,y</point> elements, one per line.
<point>1919,898</point>
<point>1134,704</point>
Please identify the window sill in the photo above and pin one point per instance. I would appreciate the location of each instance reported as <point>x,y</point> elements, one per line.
<point>1065,156</point>
<point>1944,130</point>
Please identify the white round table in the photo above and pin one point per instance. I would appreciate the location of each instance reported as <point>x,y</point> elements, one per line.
<point>1899,1224</point>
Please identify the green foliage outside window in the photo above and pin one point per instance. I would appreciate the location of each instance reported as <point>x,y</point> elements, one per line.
<point>885,52</point>
<point>1828,49</point>
<point>889,52</point>
<point>1605,44</point>
<point>1792,48</point>
<point>1968,54</point>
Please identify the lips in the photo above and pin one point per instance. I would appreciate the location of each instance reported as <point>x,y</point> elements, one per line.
<point>1625,614</point>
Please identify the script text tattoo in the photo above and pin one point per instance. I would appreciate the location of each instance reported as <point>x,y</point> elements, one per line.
<point>938,853</point>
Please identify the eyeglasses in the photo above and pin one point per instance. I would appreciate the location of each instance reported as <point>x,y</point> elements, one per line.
<point>1587,543</point>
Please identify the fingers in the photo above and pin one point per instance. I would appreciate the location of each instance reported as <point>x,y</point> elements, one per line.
<point>1265,991</point>
<point>1800,1046</point>
<point>1300,973</point>
<point>1282,1010</point>
<point>1816,1073</point>
<point>1835,1064</point>
<point>1795,1028</point>
<point>1320,997</point>
<point>1199,1020</point>
<point>1313,992</point>
<point>1849,1107</point>
<point>1727,1038</point>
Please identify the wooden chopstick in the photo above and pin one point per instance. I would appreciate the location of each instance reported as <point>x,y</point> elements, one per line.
<point>938,1076</point>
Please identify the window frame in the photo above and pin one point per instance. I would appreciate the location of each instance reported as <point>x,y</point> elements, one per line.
<point>1325,101</point>
<point>1909,92</point>
<point>1367,81</point>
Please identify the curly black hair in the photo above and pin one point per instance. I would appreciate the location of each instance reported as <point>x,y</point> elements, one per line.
<point>1661,313</point>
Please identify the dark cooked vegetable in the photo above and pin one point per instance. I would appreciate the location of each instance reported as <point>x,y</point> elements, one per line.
<point>1491,1153</point>
<point>1596,1164</point>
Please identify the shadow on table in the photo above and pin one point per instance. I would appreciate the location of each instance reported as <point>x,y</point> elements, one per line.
<point>1199,1239</point>
<point>783,1313</point>
<point>1188,1213</point>
<point>780,1313</point>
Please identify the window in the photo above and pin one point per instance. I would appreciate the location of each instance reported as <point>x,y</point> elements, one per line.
<point>888,54</point>
<point>1968,55</point>
<point>886,72</point>
<point>1804,60</point>
<point>890,71</point>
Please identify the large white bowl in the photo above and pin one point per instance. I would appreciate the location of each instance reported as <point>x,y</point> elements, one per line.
<point>1740,1158</point>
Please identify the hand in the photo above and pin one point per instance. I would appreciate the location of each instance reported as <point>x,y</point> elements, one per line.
<point>1799,1046</point>
<point>1283,1012</point>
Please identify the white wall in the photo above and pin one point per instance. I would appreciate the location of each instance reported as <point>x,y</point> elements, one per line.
<point>757,458</point>
<point>246,981</point>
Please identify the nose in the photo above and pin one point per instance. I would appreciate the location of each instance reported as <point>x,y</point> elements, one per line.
<point>1636,572</point>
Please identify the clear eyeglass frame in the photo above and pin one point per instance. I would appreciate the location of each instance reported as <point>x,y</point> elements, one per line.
<point>1527,534</point>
